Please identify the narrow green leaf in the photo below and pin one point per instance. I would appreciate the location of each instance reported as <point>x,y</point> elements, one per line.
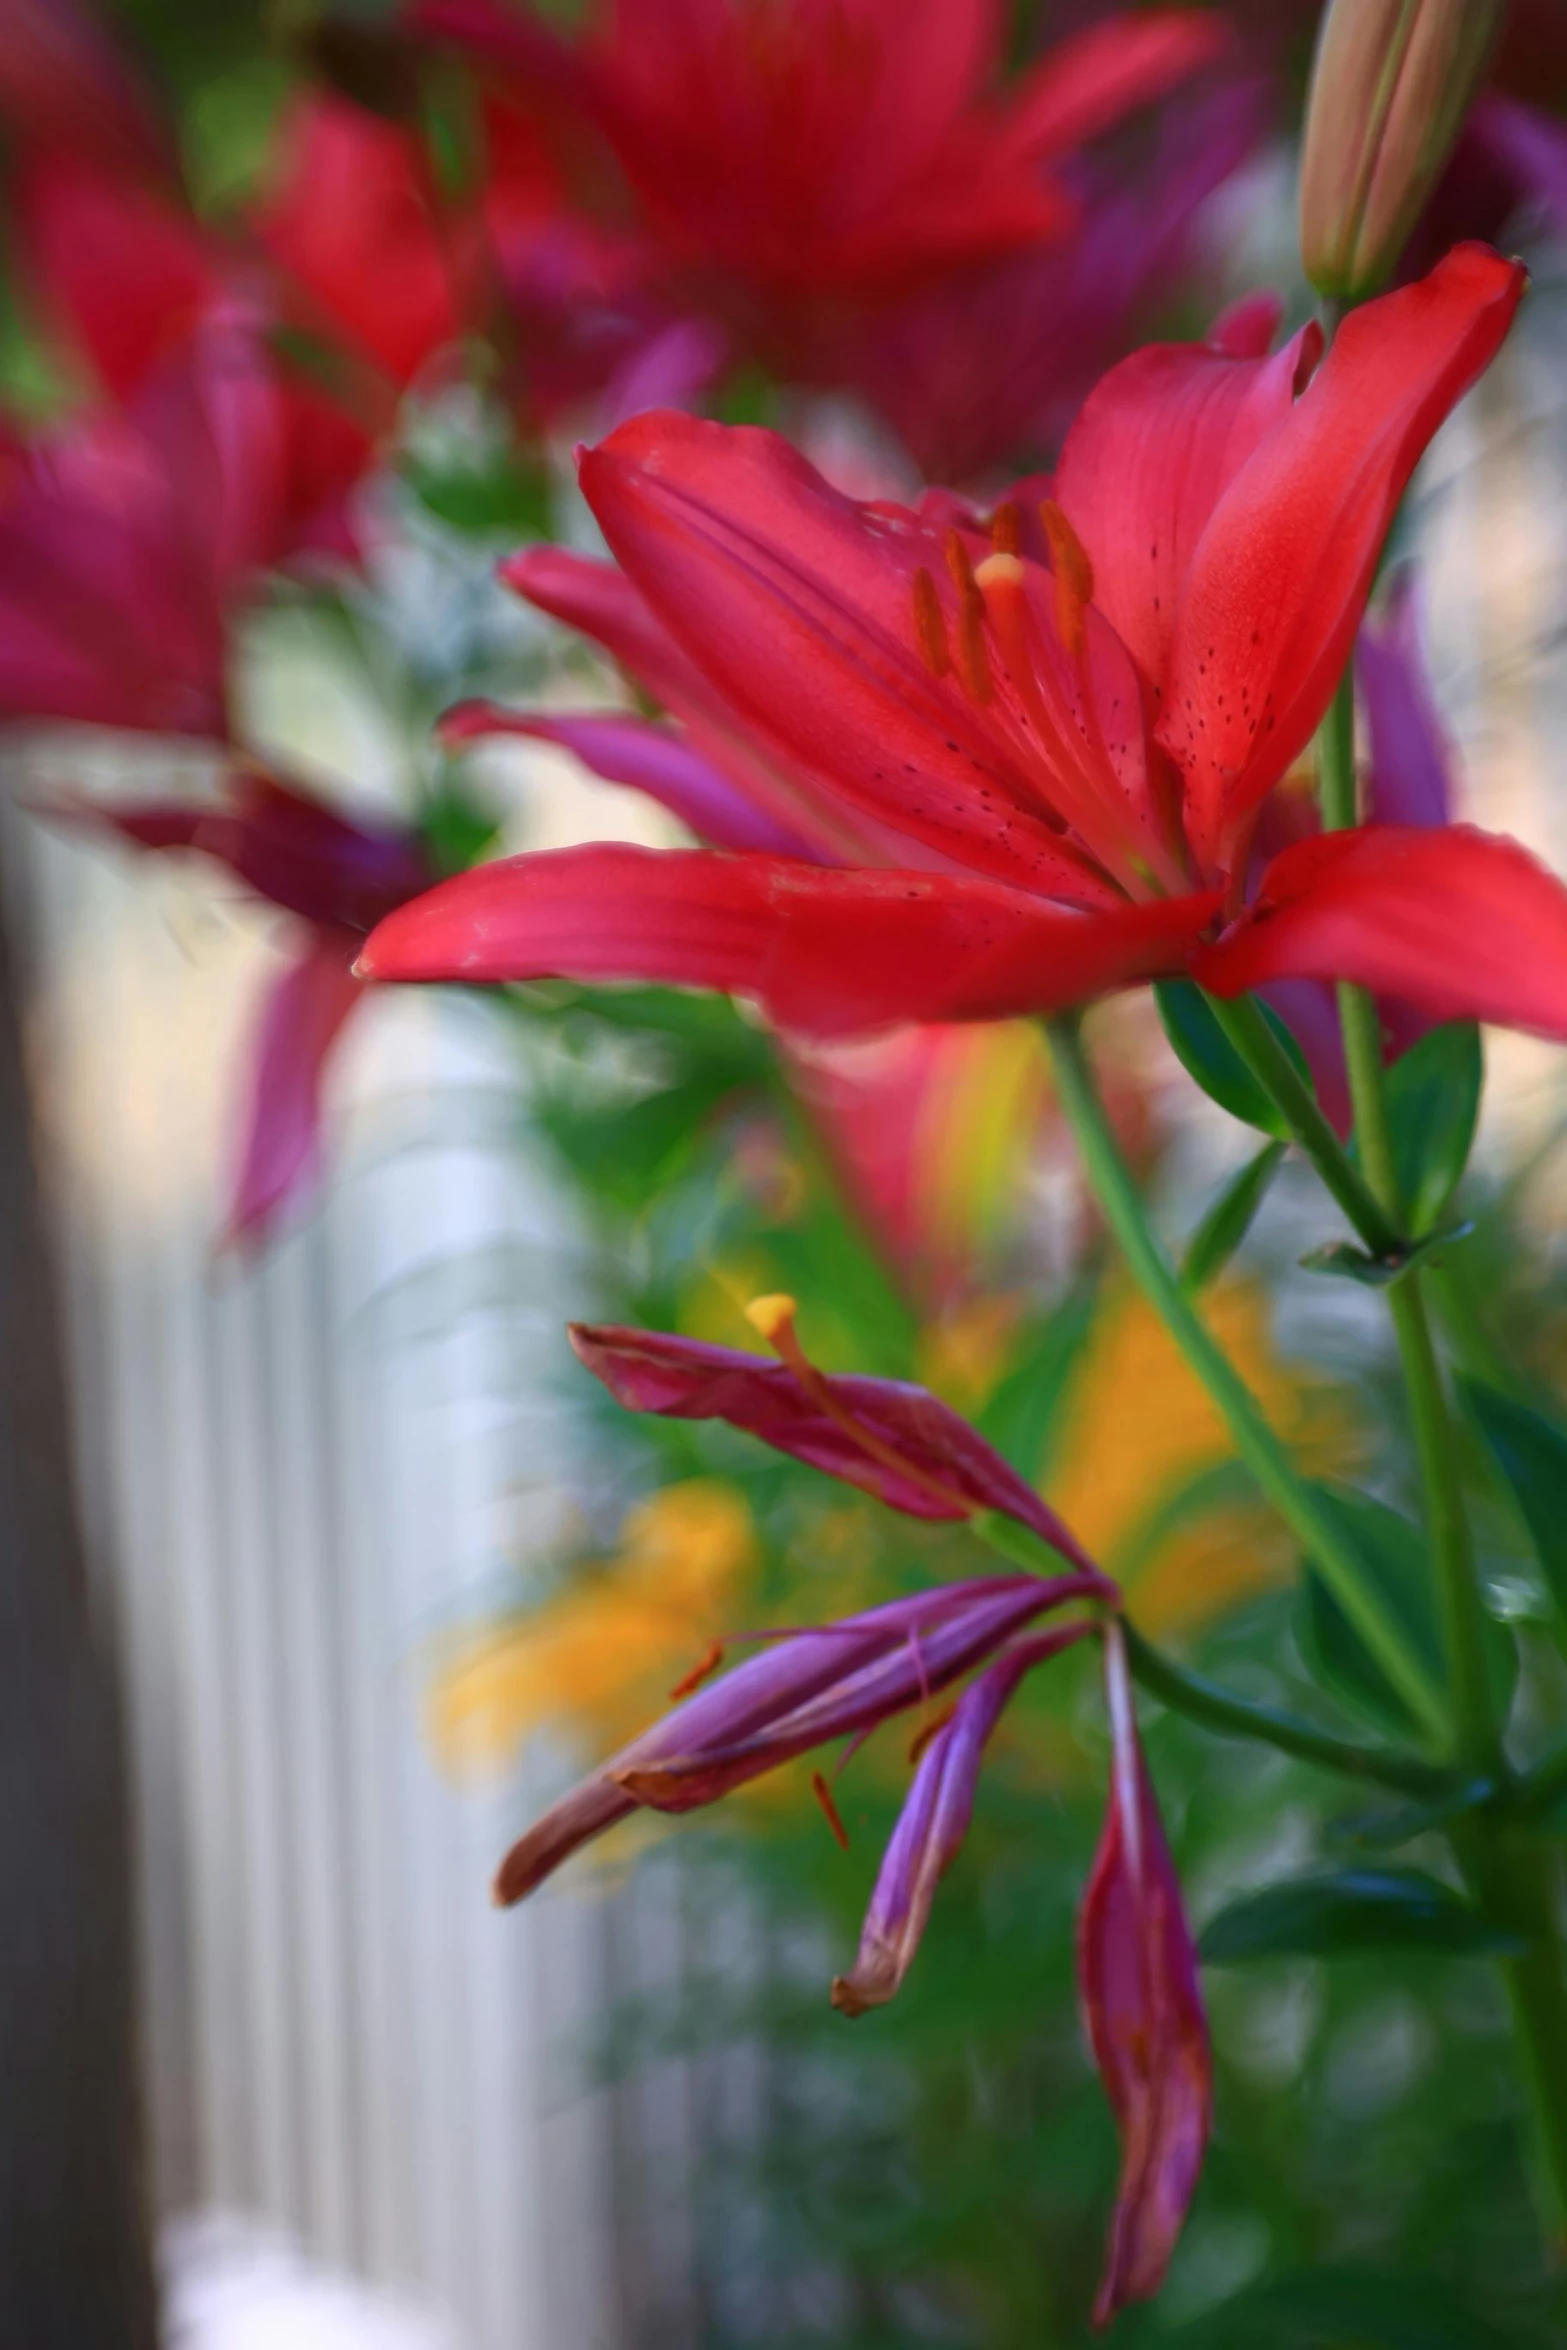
<point>1350,1911</point>
<point>1020,1416</point>
<point>1433,1100</point>
<point>1392,1554</point>
<point>1207,1055</point>
<point>1345,1262</point>
<point>1229,1219</point>
<point>1531,1453</point>
<point>1390,1824</point>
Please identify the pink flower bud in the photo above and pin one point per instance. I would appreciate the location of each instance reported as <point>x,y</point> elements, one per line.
<point>1390,87</point>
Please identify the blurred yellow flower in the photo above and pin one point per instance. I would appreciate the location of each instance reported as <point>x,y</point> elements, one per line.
<point>602,1655</point>
<point>1139,1437</point>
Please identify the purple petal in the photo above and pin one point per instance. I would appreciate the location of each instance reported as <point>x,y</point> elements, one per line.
<point>932,1825</point>
<point>685,1379</point>
<point>650,758</point>
<point>1411,757</point>
<point>1137,1972</point>
<point>1533,148</point>
<point>803,1689</point>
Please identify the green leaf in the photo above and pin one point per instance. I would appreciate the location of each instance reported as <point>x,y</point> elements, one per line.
<point>499,497</point>
<point>1389,1824</point>
<point>1392,1555</point>
<point>1392,1558</point>
<point>1349,1911</point>
<point>1531,1453</point>
<point>1433,1100</point>
<point>457,831</point>
<point>1207,1055</point>
<point>1345,1262</point>
<point>1229,1219</point>
<point>1020,1415</point>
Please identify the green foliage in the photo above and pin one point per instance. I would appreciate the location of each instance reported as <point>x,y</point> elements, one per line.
<point>1433,1100</point>
<point>1208,1056</point>
<point>1351,1911</point>
<point>1530,1452</point>
<point>1229,1219</point>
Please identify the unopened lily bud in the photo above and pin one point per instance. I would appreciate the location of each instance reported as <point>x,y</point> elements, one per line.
<point>1390,87</point>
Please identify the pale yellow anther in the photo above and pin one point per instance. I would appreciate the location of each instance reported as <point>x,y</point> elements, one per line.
<point>769,1314</point>
<point>998,571</point>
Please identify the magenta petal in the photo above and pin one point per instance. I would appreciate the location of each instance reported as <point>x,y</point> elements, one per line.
<point>300,1022</point>
<point>650,758</point>
<point>686,1379</point>
<point>803,1690</point>
<point>932,1825</point>
<point>1137,1973</point>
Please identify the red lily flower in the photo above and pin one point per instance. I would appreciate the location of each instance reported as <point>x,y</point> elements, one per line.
<point>1137,1964</point>
<point>1076,755</point>
<point>126,542</point>
<point>337,879</point>
<point>792,162</point>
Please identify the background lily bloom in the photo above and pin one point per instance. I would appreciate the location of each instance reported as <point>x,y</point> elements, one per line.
<point>126,541</point>
<point>790,162</point>
<point>1075,756</point>
<point>337,878</point>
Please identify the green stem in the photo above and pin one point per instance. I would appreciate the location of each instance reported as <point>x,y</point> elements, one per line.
<point>1294,1499</point>
<point>1236,1717</point>
<point>1537,1795</point>
<point>1446,1514</point>
<point>1514,1884</point>
<point>1243,1022</point>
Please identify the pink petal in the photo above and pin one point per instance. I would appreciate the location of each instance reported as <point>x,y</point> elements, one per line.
<point>932,1825</point>
<point>300,1023</point>
<point>1137,1971</point>
<point>686,1379</point>
<point>1093,78</point>
<point>824,953</point>
<point>1462,924</point>
<point>649,758</point>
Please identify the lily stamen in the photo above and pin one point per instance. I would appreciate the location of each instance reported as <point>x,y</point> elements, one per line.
<point>774,1317</point>
<point>930,627</point>
<point>830,1812</point>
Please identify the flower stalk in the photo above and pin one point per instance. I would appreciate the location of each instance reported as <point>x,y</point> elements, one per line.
<point>1258,1445</point>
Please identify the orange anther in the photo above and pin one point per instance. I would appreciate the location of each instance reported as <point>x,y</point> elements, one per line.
<point>958,563</point>
<point>1006,530</point>
<point>930,629</point>
<point>834,1818</point>
<point>707,1664</point>
<point>1074,576</point>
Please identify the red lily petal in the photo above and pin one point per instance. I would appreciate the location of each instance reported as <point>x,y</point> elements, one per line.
<point>686,1379</point>
<point>1279,581</point>
<point>1137,1972</point>
<point>350,221</point>
<point>798,605</point>
<point>1154,448</point>
<point>932,1825</point>
<point>1247,328</point>
<point>825,953</point>
<point>804,1689</point>
<point>1463,924</point>
<point>599,599</point>
<point>1095,77</point>
<point>649,758</point>
<point>301,1021</point>
<point>126,273</point>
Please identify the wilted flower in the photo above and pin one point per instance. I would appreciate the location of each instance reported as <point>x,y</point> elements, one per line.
<point>1137,1965</point>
